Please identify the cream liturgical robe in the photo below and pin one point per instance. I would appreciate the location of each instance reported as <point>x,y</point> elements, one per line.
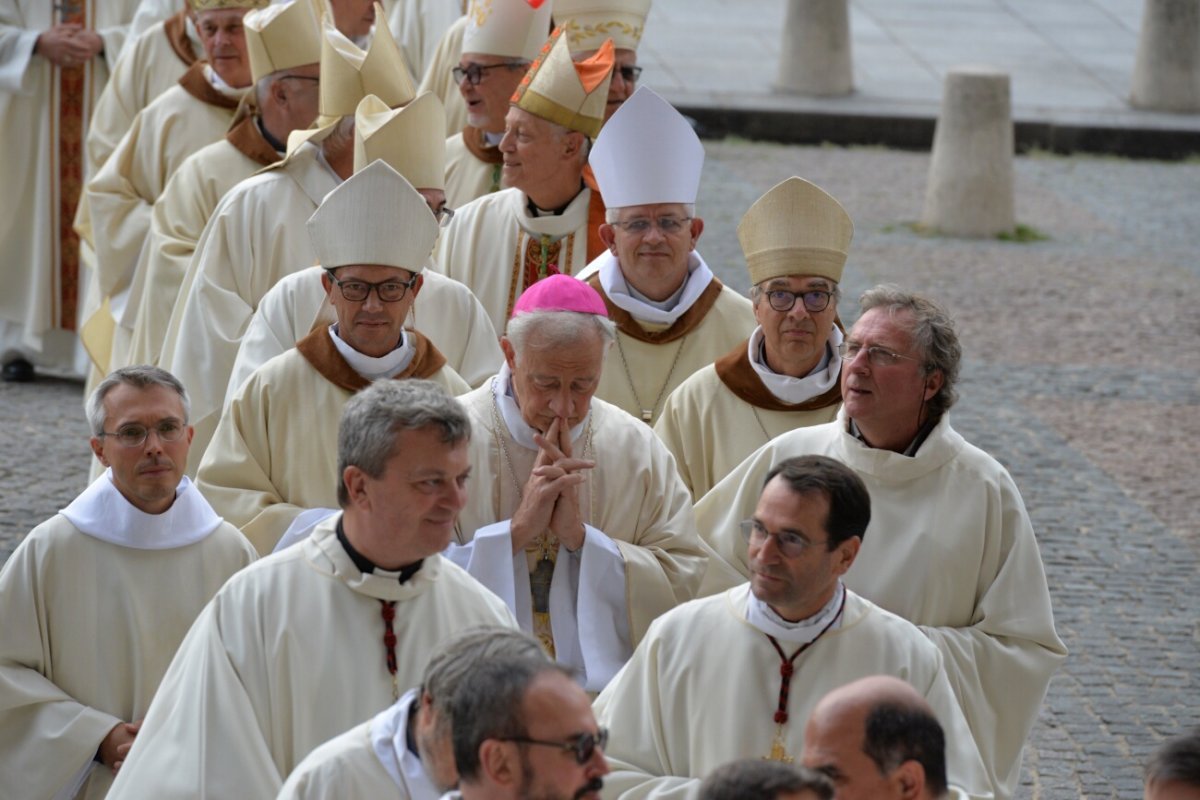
<point>289,654</point>
<point>950,548</point>
<point>419,26</point>
<point>445,311</point>
<point>492,243</point>
<point>149,65</point>
<point>275,450</point>
<point>45,112</point>
<point>96,600</point>
<point>724,412</point>
<point>438,76</point>
<point>652,357</point>
<point>178,220</point>
<point>703,687</point>
<point>369,761</point>
<point>640,555</point>
<point>255,236</point>
<point>473,168</point>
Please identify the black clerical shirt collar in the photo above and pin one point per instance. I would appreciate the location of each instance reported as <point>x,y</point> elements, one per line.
<point>913,446</point>
<point>364,564</point>
<point>278,146</point>
<point>535,211</point>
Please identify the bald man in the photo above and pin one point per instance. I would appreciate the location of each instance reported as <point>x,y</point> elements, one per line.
<point>877,738</point>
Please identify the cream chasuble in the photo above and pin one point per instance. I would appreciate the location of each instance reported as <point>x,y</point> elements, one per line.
<point>255,236</point>
<point>275,449</point>
<point>120,197</point>
<point>90,627</point>
<point>445,311</point>
<point>724,412</point>
<point>703,689</point>
<point>438,76</point>
<point>492,243</point>
<point>638,524</point>
<point>176,223</point>
<point>369,761</point>
<point>472,170</point>
<point>289,654</point>
<point>950,548</point>
<point>45,112</point>
<point>419,25</point>
<point>150,64</point>
<point>650,359</point>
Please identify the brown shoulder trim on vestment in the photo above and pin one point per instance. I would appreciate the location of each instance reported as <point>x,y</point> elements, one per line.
<point>690,320</point>
<point>248,140</point>
<point>195,83</point>
<point>175,27</point>
<point>319,350</point>
<point>737,373</point>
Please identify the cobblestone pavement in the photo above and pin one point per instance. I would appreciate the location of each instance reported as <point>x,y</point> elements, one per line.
<point>1082,376</point>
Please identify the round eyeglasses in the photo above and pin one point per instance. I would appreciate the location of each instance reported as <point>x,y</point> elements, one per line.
<point>474,72</point>
<point>876,356</point>
<point>668,226</point>
<point>790,543</point>
<point>783,300</point>
<point>357,291</point>
<point>134,434</point>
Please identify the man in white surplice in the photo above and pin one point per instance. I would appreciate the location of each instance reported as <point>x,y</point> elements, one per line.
<point>311,641</point>
<point>97,598</point>
<point>951,547</point>
<point>577,519</point>
<point>405,752</point>
<point>787,637</point>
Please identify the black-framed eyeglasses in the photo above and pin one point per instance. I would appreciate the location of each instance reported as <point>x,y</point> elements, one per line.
<point>784,300</point>
<point>630,74</point>
<point>668,226</point>
<point>134,434</point>
<point>582,746</point>
<point>474,72</point>
<point>357,291</point>
<point>790,543</point>
<point>876,356</point>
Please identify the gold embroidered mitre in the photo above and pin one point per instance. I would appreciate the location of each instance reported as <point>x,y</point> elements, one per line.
<point>589,22</point>
<point>573,94</point>
<point>281,37</point>
<point>507,28</point>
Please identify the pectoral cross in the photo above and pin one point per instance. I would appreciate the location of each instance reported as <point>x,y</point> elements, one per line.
<point>778,752</point>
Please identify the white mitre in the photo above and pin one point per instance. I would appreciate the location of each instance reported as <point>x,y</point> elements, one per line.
<point>508,28</point>
<point>647,153</point>
<point>412,139</point>
<point>281,37</point>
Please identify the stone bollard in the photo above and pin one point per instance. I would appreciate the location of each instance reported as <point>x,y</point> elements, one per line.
<point>970,187</point>
<point>815,57</point>
<point>1166,76</point>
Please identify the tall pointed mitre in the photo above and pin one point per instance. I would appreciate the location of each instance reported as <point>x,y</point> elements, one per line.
<point>796,228</point>
<point>589,22</point>
<point>217,5</point>
<point>374,217</point>
<point>647,153</point>
<point>412,139</point>
<point>570,93</point>
<point>507,28</point>
<point>282,36</point>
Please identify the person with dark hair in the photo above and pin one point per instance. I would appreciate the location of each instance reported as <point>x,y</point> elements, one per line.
<point>97,599</point>
<point>878,739</point>
<point>406,751</point>
<point>952,548</point>
<point>755,779</point>
<point>1173,772</point>
<point>316,638</point>
<point>678,709</point>
<point>524,729</point>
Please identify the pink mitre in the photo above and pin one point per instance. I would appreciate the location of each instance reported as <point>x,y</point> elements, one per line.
<point>560,293</point>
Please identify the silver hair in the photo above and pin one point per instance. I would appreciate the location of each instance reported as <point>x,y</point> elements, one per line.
<point>374,418</point>
<point>560,329</point>
<point>612,215</point>
<point>932,333</point>
<point>140,377</point>
<point>450,665</point>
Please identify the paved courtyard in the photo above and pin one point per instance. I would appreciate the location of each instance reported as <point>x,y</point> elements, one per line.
<point>1082,376</point>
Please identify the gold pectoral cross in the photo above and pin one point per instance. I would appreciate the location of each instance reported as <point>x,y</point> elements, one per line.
<point>778,751</point>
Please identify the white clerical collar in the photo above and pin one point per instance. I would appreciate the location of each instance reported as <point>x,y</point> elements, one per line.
<point>521,432</point>
<point>628,299</point>
<point>370,367</point>
<point>102,512</point>
<point>389,740</point>
<point>761,616</point>
<point>798,390</point>
<point>492,139</point>
<point>221,86</point>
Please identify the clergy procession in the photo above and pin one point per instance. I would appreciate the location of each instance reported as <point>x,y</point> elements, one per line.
<point>431,458</point>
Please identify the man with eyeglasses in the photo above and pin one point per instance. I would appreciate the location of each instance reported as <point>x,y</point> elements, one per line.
<point>97,599</point>
<point>523,729</point>
<point>498,46</point>
<point>673,315</point>
<point>786,374</point>
<point>284,43</point>
<point>504,242</point>
<point>589,22</point>
<point>267,463</point>
<point>736,675</point>
<point>951,547</point>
